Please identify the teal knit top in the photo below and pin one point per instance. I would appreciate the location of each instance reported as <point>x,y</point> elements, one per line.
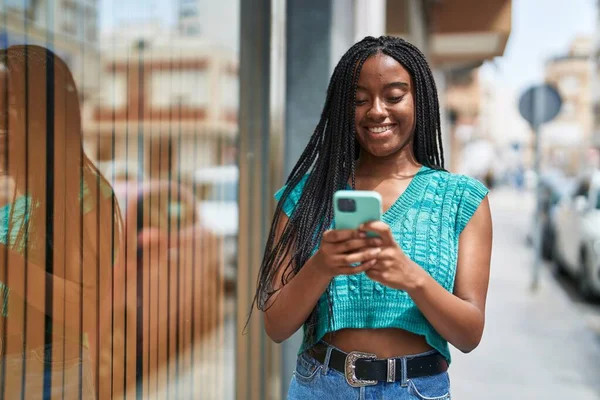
<point>426,221</point>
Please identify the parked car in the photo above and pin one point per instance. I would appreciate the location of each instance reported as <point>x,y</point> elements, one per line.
<point>217,189</point>
<point>554,186</point>
<point>577,235</point>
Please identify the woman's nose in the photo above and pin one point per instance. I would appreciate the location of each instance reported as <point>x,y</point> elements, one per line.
<point>378,110</point>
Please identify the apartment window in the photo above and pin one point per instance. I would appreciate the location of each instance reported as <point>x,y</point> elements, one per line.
<point>114,90</point>
<point>91,26</point>
<point>179,87</point>
<point>69,13</point>
<point>192,30</point>
<point>569,85</point>
<point>19,5</point>
<point>229,91</point>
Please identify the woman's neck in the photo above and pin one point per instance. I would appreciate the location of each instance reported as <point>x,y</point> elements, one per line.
<point>399,165</point>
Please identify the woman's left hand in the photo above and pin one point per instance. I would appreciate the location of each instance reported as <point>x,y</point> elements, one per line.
<point>393,267</point>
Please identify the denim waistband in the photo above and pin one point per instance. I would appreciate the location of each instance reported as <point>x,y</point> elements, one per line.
<point>401,359</point>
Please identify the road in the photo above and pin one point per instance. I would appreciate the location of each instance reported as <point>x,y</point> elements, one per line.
<point>536,345</point>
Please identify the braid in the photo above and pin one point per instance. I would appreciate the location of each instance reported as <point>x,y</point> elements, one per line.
<point>330,156</point>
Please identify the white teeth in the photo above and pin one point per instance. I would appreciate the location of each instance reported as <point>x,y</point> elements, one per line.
<point>380,129</point>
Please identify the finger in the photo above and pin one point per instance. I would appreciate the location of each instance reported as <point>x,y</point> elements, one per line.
<point>359,257</point>
<point>366,266</point>
<point>387,253</point>
<point>379,227</point>
<point>341,235</point>
<point>373,274</point>
<point>356,244</point>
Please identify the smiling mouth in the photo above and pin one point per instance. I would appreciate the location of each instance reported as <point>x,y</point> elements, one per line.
<point>380,129</point>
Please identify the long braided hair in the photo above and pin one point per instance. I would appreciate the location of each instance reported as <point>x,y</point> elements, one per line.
<point>331,153</point>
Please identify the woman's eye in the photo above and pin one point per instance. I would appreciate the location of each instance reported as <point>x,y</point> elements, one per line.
<point>396,99</point>
<point>360,102</point>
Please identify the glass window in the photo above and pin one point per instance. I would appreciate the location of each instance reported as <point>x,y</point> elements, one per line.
<point>143,260</point>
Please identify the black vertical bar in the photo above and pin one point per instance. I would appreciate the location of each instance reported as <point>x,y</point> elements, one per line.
<point>169,165</point>
<point>127,227</point>
<point>26,212</point>
<point>98,286</point>
<point>124,243</point>
<point>150,146</point>
<point>193,296</point>
<point>49,302</point>
<point>6,240</point>
<point>160,227</point>
<point>80,8</point>
<point>139,367</point>
<point>81,257</point>
<point>178,296</point>
<point>99,292</point>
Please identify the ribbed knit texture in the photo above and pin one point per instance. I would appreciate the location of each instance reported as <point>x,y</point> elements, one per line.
<point>426,220</point>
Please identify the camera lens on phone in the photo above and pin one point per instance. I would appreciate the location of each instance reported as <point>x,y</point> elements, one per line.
<point>347,205</point>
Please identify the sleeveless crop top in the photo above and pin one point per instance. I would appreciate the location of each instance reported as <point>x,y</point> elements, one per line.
<point>426,221</point>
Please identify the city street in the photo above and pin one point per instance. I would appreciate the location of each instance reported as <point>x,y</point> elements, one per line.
<point>542,345</point>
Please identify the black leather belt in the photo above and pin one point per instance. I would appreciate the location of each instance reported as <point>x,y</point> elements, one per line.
<point>363,369</point>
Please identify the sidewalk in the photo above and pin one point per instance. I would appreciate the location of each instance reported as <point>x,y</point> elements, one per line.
<point>535,345</point>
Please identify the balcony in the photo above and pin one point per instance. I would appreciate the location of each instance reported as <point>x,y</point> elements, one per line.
<point>467,32</point>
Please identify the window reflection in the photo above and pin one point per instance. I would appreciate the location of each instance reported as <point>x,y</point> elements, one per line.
<point>118,200</point>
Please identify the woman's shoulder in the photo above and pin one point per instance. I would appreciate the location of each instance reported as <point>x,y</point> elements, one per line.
<point>293,195</point>
<point>464,193</point>
<point>456,183</point>
<point>94,190</point>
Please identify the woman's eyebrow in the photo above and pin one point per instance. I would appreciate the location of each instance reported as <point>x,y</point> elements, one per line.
<point>400,85</point>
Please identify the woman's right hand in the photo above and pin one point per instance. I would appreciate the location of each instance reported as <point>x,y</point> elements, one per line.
<point>340,249</point>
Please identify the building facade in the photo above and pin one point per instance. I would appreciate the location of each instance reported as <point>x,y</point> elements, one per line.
<point>567,139</point>
<point>68,27</point>
<point>173,98</point>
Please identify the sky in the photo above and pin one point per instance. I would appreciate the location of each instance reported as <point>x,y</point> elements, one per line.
<point>541,29</point>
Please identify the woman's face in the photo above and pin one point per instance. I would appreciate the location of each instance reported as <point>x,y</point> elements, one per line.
<point>385,111</point>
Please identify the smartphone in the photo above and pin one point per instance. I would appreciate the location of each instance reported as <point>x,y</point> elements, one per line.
<point>351,208</point>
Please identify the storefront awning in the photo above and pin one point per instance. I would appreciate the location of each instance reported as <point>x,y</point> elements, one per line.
<point>467,32</point>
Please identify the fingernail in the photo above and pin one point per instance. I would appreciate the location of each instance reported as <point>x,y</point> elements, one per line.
<point>362,234</point>
<point>376,251</point>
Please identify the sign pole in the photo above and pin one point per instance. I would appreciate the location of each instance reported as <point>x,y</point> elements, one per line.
<point>538,105</point>
<point>538,108</point>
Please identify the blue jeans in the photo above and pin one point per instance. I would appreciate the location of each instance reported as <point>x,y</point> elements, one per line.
<point>313,380</point>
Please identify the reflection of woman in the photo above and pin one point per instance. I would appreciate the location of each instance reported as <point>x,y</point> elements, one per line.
<point>395,301</point>
<point>59,234</point>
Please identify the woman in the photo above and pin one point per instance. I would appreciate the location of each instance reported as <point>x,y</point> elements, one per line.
<point>60,235</point>
<point>381,328</point>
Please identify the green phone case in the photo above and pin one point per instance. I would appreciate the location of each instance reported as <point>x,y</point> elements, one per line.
<point>367,208</point>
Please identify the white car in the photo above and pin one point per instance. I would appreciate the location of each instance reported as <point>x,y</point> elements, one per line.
<point>577,240</point>
<point>219,207</point>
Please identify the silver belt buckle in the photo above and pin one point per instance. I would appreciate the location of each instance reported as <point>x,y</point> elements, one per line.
<point>350,369</point>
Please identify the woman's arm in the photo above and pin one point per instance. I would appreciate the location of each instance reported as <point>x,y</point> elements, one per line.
<point>292,304</point>
<point>459,317</point>
<point>293,301</point>
<point>65,292</point>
